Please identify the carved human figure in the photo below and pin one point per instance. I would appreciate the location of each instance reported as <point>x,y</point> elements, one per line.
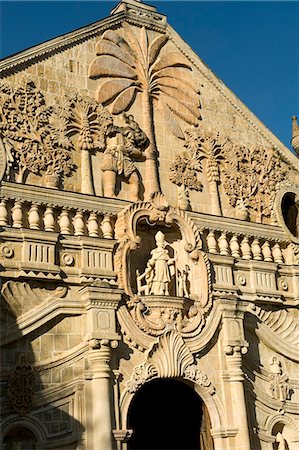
<point>159,270</point>
<point>282,443</point>
<point>279,386</point>
<point>123,146</point>
<point>182,278</point>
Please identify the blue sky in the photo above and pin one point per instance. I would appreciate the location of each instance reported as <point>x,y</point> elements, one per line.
<point>252,46</point>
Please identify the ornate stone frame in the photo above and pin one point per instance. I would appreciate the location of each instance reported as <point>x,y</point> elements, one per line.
<point>155,211</point>
<point>283,189</point>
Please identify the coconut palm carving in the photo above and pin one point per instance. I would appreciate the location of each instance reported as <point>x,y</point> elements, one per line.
<point>133,66</point>
<point>210,146</point>
<point>88,121</point>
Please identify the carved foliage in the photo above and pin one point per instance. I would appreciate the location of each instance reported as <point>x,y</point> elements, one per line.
<point>133,64</point>
<point>251,176</point>
<point>21,386</point>
<point>33,136</point>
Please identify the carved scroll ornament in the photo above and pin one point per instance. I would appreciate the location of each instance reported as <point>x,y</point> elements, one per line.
<point>169,357</point>
<point>21,386</point>
<point>154,307</point>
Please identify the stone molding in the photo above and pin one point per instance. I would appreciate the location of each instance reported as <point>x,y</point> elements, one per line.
<point>61,199</point>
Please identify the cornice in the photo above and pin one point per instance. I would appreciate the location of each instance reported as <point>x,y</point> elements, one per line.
<point>62,199</point>
<point>238,227</point>
<point>46,49</point>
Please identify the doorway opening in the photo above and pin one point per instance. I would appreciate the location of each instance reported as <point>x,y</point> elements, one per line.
<point>167,414</point>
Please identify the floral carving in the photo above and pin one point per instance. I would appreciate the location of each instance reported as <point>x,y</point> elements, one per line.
<point>135,64</point>
<point>194,373</point>
<point>21,386</point>
<point>251,175</point>
<point>184,172</point>
<point>208,145</point>
<point>29,130</point>
<point>140,375</point>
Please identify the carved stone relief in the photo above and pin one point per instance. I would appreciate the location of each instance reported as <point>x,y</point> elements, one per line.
<point>171,289</point>
<point>279,386</point>
<point>124,144</point>
<point>169,357</point>
<point>130,62</point>
<point>250,179</point>
<point>32,135</point>
<point>21,386</point>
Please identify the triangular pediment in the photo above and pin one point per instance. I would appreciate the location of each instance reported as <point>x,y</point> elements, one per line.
<point>201,146</point>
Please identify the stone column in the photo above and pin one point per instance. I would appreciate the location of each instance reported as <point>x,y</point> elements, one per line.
<point>100,418</point>
<point>101,300</point>
<point>234,347</point>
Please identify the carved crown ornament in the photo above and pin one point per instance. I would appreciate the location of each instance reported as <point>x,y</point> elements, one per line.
<point>162,269</point>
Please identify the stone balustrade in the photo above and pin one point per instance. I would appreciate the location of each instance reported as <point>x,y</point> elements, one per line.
<point>66,213</point>
<point>245,246</point>
<point>65,221</point>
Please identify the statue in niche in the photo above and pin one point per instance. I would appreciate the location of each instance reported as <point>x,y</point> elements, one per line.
<point>279,386</point>
<point>159,271</point>
<point>124,145</point>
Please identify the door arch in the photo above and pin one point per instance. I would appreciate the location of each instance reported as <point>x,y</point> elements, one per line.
<point>167,414</point>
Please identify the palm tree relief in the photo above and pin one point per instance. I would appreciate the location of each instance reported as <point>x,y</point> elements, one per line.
<point>133,65</point>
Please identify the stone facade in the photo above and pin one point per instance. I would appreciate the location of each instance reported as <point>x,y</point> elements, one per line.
<point>149,231</point>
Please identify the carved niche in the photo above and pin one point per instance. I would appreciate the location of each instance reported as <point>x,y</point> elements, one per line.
<point>161,267</point>
<point>287,209</point>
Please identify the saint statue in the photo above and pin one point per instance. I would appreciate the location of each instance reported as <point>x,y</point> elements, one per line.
<point>159,270</point>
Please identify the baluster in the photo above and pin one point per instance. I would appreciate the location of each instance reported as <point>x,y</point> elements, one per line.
<point>223,245</point>
<point>245,248</point>
<point>3,213</point>
<point>49,221</point>
<point>212,243</point>
<point>256,250</point>
<point>92,225</point>
<point>277,254</point>
<point>17,215</point>
<point>106,227</point>
<point>64,222</point>
<point>234,246</point>
<point>78,223</point>
<point>33,217</point>
<point>267,251</point>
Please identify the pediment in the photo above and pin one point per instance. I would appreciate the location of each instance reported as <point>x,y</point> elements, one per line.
<point>186,134</point>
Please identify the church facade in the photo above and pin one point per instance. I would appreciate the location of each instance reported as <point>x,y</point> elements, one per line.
<point>149,250</point>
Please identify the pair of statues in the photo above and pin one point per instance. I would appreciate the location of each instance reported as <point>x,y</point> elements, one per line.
<point>124,145</point>
<point>160,271</point>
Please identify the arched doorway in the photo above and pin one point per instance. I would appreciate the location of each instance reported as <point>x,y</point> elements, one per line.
<point>167,414</point>
<point>19,438</point>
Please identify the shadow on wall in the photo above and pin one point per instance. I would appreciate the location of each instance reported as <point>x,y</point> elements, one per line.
<point>28,420</point>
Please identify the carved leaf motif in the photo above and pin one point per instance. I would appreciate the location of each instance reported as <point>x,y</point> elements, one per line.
<point>170,355</point>
<point>155,47</point>
<point>162,78</point>
<point>116,86</point>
